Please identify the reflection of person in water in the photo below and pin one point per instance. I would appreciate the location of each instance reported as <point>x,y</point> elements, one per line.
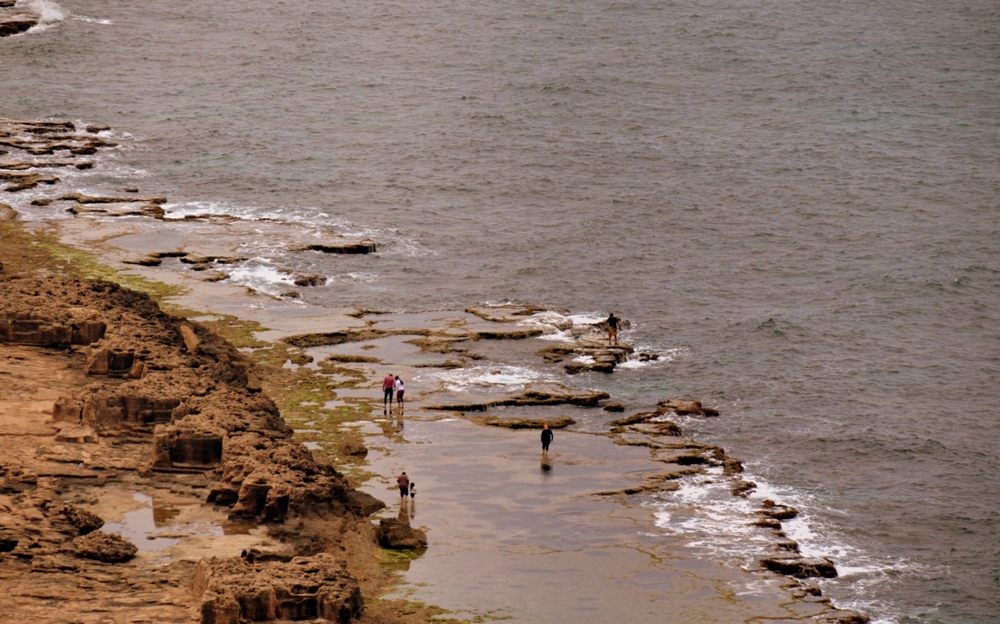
<point>546,438</point>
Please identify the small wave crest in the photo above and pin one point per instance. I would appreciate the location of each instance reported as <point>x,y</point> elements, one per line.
<point>501,377</point>
<point>262,276</point>
<point>705,515</point>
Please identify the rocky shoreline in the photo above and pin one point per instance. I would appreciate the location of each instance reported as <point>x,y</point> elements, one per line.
<point>156,401</point>
<point>112,393</point>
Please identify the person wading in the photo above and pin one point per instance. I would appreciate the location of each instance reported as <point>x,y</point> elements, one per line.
<point>388,384</point>
<point>404,486</point>
<point>399,393</point>
<point>546,438</point>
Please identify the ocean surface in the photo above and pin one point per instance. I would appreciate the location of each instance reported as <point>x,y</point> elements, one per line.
<point>798,201</point>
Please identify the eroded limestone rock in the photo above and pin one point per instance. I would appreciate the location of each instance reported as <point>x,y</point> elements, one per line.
<point>109,548</point>
<point>232,590</point>
<point>397,534</point>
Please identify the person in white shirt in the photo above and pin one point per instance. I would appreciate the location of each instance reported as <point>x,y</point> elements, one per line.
<point>399,392</point>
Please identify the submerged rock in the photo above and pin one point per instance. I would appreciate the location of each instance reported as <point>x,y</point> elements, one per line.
<point>525,423</point>
<point>543,395</point>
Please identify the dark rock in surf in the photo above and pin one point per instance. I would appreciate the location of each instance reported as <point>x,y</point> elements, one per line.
<point>309,280</point>
<point>743,488</point>
<point>801,567</point>
<point>16,23</point>
<point>365,246</point>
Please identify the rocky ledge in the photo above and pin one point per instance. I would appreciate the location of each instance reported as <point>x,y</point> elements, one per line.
<point>14,22</point>
<point>158,400</point>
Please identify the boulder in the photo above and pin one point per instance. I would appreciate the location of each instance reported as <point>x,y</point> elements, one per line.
<point>309,280</point>
<point>7,213</point>
<point>111,548</point>
<point>397,534</point>
<point>85,521</point>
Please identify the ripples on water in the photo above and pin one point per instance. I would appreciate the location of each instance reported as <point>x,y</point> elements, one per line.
<point>800,197</point>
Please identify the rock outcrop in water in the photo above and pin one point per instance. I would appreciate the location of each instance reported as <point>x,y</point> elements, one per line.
<point>15,22</point>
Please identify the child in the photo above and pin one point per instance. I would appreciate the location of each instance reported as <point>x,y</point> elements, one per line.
<point>413,489</point>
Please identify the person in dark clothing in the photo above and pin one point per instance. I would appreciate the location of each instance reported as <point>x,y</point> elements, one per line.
<point>388,384</point>
<point>404,485</point>
<point>613,322</point>
<point>546,438</point>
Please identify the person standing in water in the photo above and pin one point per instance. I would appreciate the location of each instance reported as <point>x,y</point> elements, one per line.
<point>388,384</point>
<point>613,328</point>
<point>404,486</point>
<point>399,393</point>
<point>546,438</point>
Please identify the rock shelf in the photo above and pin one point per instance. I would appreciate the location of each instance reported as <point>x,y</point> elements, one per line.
<point>13,23</point>
<point>160,400</point>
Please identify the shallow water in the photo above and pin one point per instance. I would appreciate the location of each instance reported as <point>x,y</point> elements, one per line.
<point>799,200</point>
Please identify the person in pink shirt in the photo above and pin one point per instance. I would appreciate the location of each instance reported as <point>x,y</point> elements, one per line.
<point>388,385</point>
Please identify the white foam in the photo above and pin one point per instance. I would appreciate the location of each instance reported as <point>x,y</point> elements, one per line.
<point>93,20</point>
<point>636,363</point>
<point>262,276</point>
<point>49,13</point>
<point>506,377</point>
